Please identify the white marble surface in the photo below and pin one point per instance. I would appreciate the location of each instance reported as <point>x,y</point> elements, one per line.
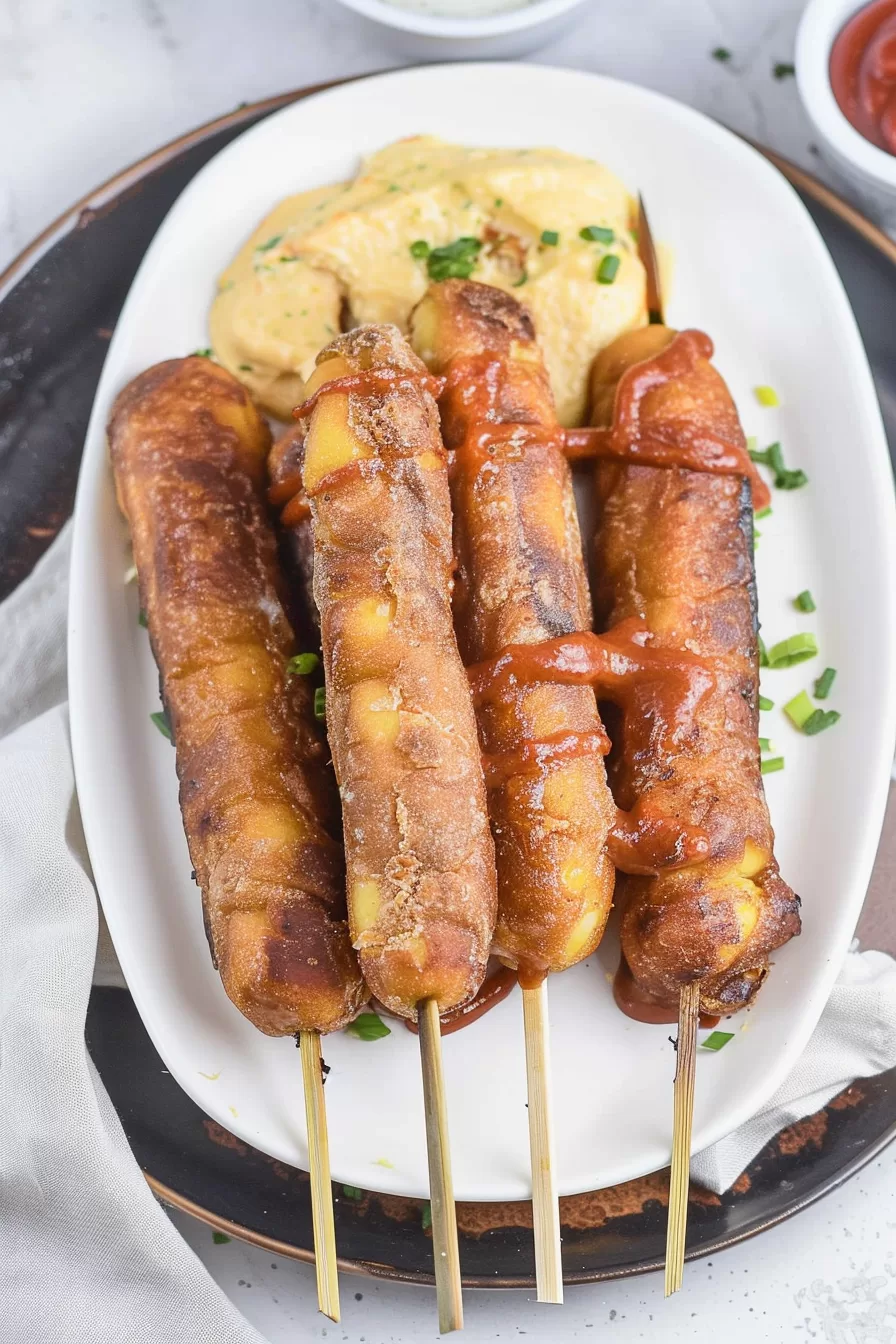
<point>87,86</point>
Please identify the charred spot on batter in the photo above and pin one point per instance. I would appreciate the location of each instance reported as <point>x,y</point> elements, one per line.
<point>304,957</point>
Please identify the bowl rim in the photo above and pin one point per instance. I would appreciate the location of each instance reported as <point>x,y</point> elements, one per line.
<point>819,27</point>
<point>526,14</point>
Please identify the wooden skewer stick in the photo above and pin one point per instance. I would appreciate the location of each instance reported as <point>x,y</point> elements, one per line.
<point>321,1188</point>
<point>441,1190</point>
<point>545,1201</point>
<point>680,1175</point>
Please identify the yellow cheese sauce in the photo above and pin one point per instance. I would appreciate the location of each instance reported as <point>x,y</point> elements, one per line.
<point>329,259</point>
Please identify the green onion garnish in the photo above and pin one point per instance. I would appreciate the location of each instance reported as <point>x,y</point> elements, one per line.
<point>426,1216</point>
<point>454,261</point>
<point>207,353</point>
<point>606,271</point>
<point>716,1040</point>
<point>804,601</point>
<point>368,1027</point>
<point>160,719</point>
<point>271,242</point>
<point>550,237</point>
<point>824,683</point>
<point>764,513</point>
<point>499,201</point>
<point>522,280</point>
<point>721,54</point>
<point>352,1192</point>
<point>141,619</point>
<point>763,651</point>
<point>821,719</point>
<point>220,1239</point>
<point>794,650</point>
<point>246,368</point>
<point>772,456</point>
<point>791,480</point>
<point>799,709</point>
<point>766,396</point>
<point>320,702</point>
<point>771,765</point>
<point>781,69</point>
<point>597,233</point>
<point>420,248</point>
<point>302,665</point>
<point>765,703</point>
<point>765,744</point>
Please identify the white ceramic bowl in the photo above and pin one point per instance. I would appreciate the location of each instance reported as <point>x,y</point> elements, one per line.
<point>439,37</point>
<point>870,171</point>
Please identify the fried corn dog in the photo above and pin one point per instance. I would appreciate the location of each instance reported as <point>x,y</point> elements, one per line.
<point>420,860</point>
<point>188,451</point>
<point>521,580</point>
<point>675,548</point>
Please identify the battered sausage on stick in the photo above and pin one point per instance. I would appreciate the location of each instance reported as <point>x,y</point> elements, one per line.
<point>521,580</point>
<point>420,859</point>
<point>189,450</point>
<point>674,548</point>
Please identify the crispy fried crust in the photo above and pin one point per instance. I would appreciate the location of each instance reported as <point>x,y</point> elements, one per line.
<point>188,450</point>
<point>420,860</point>
<point>521,579</point>
<point>676,548</point>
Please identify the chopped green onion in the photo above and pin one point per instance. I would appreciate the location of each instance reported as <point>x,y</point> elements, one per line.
<point>763,651</point>
<point>522,280</point>
<point>765,703</point>
<point>426,1216</point>
<point>771,765</point>
<point>320,702</point>
<point>772,456</point>
<point>302,665</point>
<point>766,396</point>
<point>804,601</point>
<point>716,1040</point>
<point>271,242</point>
<point>791,480</point>
<point>160,719</point>
<point>352,1192</point>
<point>764,513</point>
<point>499,201</point>
<point>799,709</point>
<point>796,649</point>
<point>824,683</point>
<point>455,260</point>
<point>141,619</point>
<point>246,368</point>
<point>368,1027</point>
<point>765,744</point>
<point>220,1239</point>
<point>751,444</point>
<point>207,353</point>
<point>550,237</point>
<point>130,574</point>
<point>606,271</point>
<point>420,249</point>
<point>721,54</point>
<point>821,719</point>
<point>597,233</point>
<point>781,69</point>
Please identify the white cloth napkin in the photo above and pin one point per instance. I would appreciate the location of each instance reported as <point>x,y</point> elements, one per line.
<point>86,1252</point>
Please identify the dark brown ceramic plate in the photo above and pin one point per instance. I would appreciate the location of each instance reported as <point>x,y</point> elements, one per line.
<point>58,304</point>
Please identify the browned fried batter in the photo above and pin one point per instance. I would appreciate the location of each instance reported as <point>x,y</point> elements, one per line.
<point>188,450</point>
<point>420,860</point>
<point>675,548</point>
<point>521,580</point>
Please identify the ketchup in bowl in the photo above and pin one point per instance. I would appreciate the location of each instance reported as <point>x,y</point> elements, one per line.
<point>863,73</point>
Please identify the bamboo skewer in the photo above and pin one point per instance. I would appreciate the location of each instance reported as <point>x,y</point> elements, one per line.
<point>680,1175</point>
<point>441,1190</point>
<point>319,1164</point>
<point>545,1202</point>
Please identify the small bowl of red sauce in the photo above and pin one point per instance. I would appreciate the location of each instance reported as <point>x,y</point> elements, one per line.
<point>846,72</point>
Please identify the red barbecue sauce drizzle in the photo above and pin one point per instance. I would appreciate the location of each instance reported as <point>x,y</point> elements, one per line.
<point>863,73</point>
<point>497,984</point>
<point>643,1006</point>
